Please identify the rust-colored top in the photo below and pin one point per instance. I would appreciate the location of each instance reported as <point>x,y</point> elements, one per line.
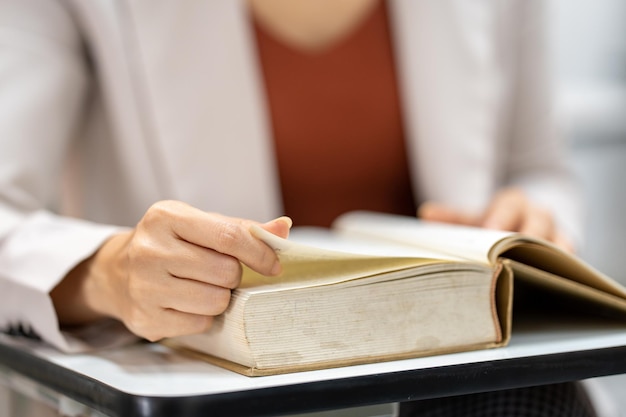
<point>337,124</point>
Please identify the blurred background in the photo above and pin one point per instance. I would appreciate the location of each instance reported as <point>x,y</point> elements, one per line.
<point>589,43</point>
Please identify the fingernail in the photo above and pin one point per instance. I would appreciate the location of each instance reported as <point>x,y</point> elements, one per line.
<point>285,219</point>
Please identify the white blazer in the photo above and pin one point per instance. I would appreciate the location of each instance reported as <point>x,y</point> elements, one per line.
<point>107,106</point>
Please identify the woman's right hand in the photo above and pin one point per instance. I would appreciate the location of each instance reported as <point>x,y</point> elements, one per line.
<point>170,275</point>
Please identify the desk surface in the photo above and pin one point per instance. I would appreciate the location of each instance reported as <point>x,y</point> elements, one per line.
<point>152,380</point>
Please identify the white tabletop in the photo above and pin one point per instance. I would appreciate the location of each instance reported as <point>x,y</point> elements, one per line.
<point>155,370</point>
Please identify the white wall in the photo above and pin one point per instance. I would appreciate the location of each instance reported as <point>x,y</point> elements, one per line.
<point>589,41</point>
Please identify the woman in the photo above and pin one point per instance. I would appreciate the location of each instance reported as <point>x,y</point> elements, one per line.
<point>128,126</point>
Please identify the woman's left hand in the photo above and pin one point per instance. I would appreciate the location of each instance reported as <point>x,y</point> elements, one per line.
<point>510,209</point>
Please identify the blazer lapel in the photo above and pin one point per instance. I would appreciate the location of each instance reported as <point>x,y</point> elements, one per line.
<point>203,93</point>
<point>451,87</point>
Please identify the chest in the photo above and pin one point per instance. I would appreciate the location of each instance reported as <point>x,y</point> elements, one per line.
<point>310,25</point>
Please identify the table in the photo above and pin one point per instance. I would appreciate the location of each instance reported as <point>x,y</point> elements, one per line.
<point>153,380</point>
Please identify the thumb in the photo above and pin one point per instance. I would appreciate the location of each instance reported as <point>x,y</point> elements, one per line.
<point>280,226</point>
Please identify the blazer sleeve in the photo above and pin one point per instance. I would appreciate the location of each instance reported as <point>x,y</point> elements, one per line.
<point>43,87</point>
<point>537,158</point>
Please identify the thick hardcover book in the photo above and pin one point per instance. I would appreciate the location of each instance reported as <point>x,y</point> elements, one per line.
<point>379,287</point>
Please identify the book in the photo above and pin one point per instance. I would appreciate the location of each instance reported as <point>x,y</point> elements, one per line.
<point>378,287</point>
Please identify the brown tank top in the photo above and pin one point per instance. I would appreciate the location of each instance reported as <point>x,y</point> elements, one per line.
<point>337,124</point>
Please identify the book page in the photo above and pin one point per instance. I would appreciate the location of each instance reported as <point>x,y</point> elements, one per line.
<point>478,244</point>
<point>563,264</point>
<point>316,256</point>
<point>470,243</point>
<point>321,244</point>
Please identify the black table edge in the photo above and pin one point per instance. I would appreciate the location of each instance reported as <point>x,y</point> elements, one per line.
<point>347,392</point>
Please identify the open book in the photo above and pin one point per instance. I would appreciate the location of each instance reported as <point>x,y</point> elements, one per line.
<point>380,287</point>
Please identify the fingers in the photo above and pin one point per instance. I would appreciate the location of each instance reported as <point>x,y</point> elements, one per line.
<point>564,243</point>
<point>193,262</point>
<point>509,210</point>
<point>163,306</point>
<point>226,235</point>
<point>171,323</point>
<point>181,264</point>
<point>280,226</point>
<point>437,212</point>
<point>194,297</point>
<point>538,222</point>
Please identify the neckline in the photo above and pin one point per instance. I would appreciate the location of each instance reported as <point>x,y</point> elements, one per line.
<point>336,45</point>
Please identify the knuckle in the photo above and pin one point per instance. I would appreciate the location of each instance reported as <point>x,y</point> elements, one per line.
<point>139,323</point>
<point>207,324</point>
<point>200,324</point>
<point>165,206</point>
<point>149,250</point>
<point>228,236</point>
<point>141,248</point>
<point>219,300</point>
<point>160,212</point>
<point>229,273</point>
<point>155,213</point>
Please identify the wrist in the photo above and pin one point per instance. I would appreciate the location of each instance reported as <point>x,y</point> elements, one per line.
<point>87,293</point>
<point>104,277</point>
